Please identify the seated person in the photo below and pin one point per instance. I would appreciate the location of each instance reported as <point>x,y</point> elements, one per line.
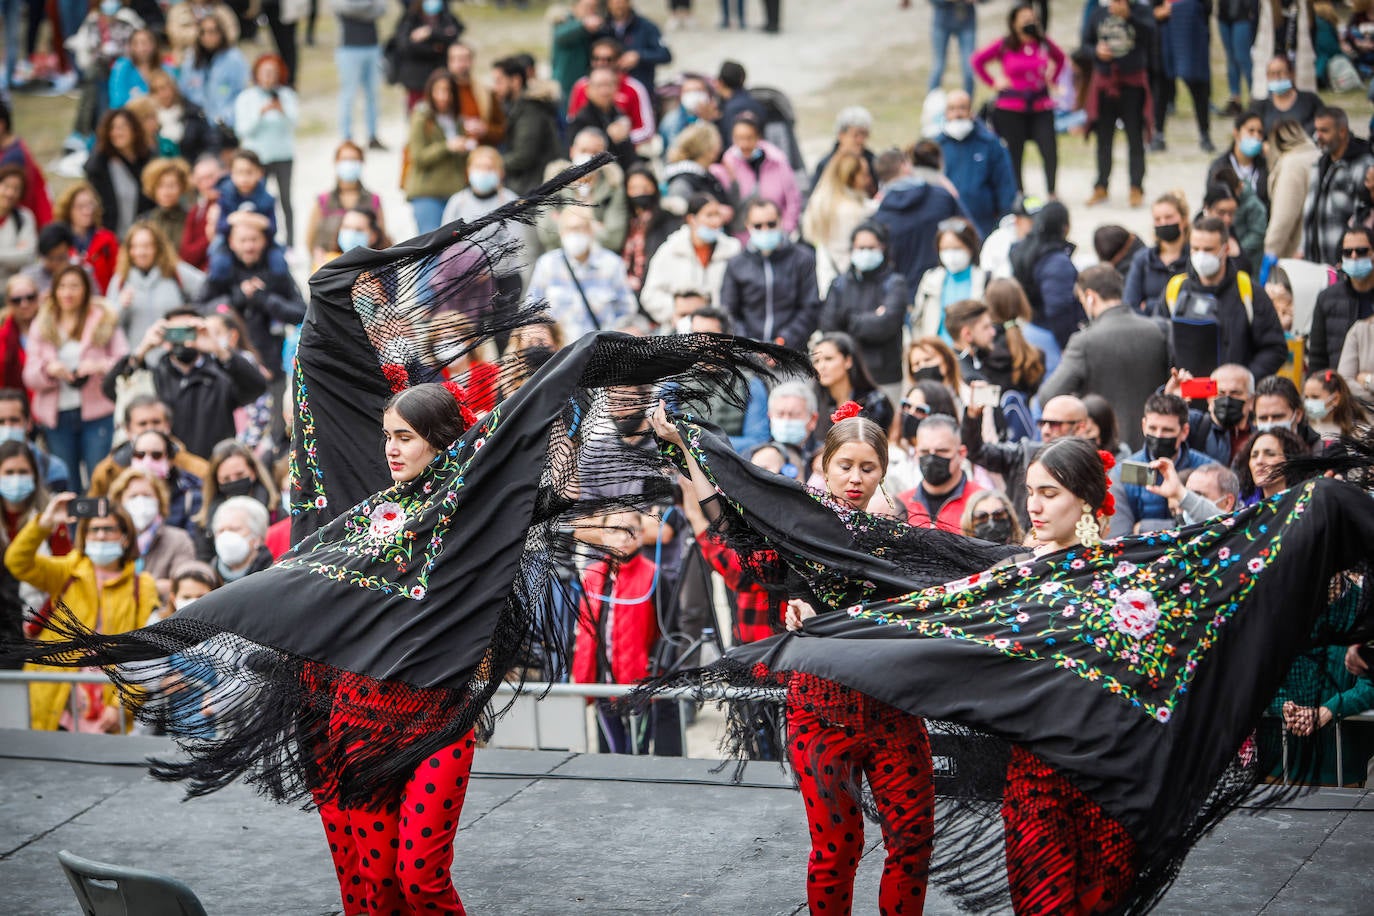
<point>240,530</point>
<point>145,412</point>
<point>16,425</point>
<point>161,547</point>
<point>244,190</point>
<point>1165,424</point>
<point>938,501</point>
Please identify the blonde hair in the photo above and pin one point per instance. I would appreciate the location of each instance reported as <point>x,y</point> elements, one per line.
<point>696,142</point>
<point>62,210</point>
<point>835,187</point>
<point>154,171</point>
<point>129,475</point>
<point>164,261</point>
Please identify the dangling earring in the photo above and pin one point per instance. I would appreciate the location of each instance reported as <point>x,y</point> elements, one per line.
<point>1086,528</point>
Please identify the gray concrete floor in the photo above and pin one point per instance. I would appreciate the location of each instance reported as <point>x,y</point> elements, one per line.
<point>552,833</point>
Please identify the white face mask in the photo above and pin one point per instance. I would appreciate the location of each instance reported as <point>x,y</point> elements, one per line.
<point>232,548</point>
<point>1205,263</point>
<point>959,128</point>
<point>955,260</point>
<point>694,99</point>
<point>143,510</point>
<point>581,159</point>
<point>576,244</point>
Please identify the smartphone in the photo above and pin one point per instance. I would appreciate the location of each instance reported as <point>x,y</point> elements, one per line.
<point>986,395</point>
<point>89,507</point>
<point>179,334</point>
<point>1198,389</point>
<point>1138,473</point>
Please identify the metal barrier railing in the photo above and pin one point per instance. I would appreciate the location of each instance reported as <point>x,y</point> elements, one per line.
<point>683,695</point>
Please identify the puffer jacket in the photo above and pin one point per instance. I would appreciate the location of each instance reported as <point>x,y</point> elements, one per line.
<point>1335,314</point>
<point>852,306</point>
<point>675,267</point>
<point>1148,276</point>
<point>775,297</point>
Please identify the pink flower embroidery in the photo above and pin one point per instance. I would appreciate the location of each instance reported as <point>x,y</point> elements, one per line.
<point>1135,613</point>
<point>1124,569</point>
<point>387,521</point>
<point>1001,643</point>
<point>1224,553</point>
<point>1022,617</point>
<point>1077,564</point>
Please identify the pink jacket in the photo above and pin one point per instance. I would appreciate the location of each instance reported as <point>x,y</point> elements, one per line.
<point>100,324</point>
<point>1032,71</point>
<point>776,182</point>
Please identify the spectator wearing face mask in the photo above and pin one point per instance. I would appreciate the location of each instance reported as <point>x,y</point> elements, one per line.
<point>234,472</point>
<point>348,193</point>
<point>601,195</point>
<point>694,257</point>
<point>792,414</point>
<point>650,225</point>
<point>769,289</point>
<point>22,498</point>
<point>191,581</point>
<point>583,283</point>
<point>753,168</point>
<point>1279,405</point>
<point>939,500</point>
<point>1228,421</point>
<point>1211,490</point>
<point>200,377</point>
<point>868,302</point>
<point>487,191</point>
<point>154,452</point>
<point>144,412</point>
<point>161,547</point>
<point>977,163</point>
<point>1165,427</point>
<point>957,277</point>
<point>16,425</point>
<point>990,516</point>
<point>239,527</point>
<point>696,104</point>
<point>1349,300</point>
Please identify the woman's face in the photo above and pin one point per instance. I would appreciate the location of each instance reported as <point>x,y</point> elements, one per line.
<point>832,366</point>
<point>211,36</point>
<point>442,96</point>
<point>745,138</point>
<point>868,240</point>
<point>168,190</point>
<point>188,590</point>
<point>142,250</point>
<point>138,487</point>
<point>853,474</point>
<point>11,191</point>
<point>106,528</point>
<point>1090,430</point>
<point>121,134</point>
<point>1265,457</point>
<point>16,466</point>
<point>141,47</point>
<point>639,185</point>
<point>950,241</point>
<point>536,335</point>
<point>233,468</point>
<point>407,453</point>
<point>1165,215</point>
<point>268,74</point>
<point>83,211</point>
<point>1312,390</point>
<point>1024,18</point>
<point>924,357</point>
<point>70,293</point>
<point>1254,128</point>
<point>1053,509</point>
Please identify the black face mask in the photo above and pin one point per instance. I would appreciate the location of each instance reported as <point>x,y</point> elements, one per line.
<point>1161,446</point>
<point>632,425</point>
<point>997,531</point>
<point>1169,233</point>
<point>1031,31</point>
<point>1228,412</point>
<point>241,487</point>
<point>185,355</point>
<point>928,374</point>
<point>936,470</point>
<point>910,423</point>
<point>643,201</point>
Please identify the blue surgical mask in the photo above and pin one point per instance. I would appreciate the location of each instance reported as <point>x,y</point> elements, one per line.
<point>15,488</point>
<point>1279,87</point>
<point>484,181</point>
<point>352,238</point>
<point>707,235</point>
<point>866,260</point>
<point>104,553</point>
<point>110,7</point>
<point>765,240</point>
<point>787,431</point>
<point>1357,268</point>
<point>13,434</point>
<point>348,169</point>
<point>1316,408</point>
<point>432,7</point>
<point>1251,146</point>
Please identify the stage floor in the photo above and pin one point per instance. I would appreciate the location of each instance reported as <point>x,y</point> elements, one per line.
<point>552,833</point>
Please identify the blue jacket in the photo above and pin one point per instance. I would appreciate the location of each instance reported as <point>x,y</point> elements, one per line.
<point>1141,503</point>
<point>1147,277</point>
<point>980,167</point>
<point>911,210</point>
<point>641,35</point>
<point>259,200</point>
<point>1184,40</point>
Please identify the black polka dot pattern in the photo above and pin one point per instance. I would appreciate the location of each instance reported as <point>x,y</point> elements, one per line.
<point>374,848</point>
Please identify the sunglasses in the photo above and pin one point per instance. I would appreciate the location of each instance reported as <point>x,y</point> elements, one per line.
<point>1045,421</point>
<point>27,297</point>
<point>1355,252</point>
<point>996,515</point>
<point>155,456</point>
<point>922,409</point>
<point>770,225</point>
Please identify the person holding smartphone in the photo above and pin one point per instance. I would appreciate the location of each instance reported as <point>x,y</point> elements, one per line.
<point>98,584</point>
<point>1140,504</point>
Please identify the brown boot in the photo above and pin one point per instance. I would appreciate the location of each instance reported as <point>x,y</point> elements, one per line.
<point>1099,195</point>
<point>1137,197</point>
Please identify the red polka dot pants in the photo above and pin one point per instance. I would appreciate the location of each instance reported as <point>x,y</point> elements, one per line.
<point>1065,856</point>
<point>835,735</point>
<point>395,859</point>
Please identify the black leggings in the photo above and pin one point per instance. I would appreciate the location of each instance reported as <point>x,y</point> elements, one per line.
<point>1016,128</point>
<point>1200,90</point>
<point>1129,107</point>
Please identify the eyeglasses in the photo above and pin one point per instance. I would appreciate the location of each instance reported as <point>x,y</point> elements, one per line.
<point>768,225</point>
<point>952,225</point>
<point>26,297</point>
<point>1055,424</point>
<point>155,456</point>
<point>996,515</point>
<point>1355,252</point>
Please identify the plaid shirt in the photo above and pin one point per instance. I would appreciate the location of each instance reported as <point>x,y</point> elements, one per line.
<point>760,600</point>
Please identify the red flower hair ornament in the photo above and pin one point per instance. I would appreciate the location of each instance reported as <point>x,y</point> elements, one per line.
<point>1108,507</point>
<point>461,396</point>
<point>846,410</point>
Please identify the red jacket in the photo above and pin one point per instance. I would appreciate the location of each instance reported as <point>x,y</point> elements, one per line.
<point>36,194</point>
<point>195,244</point>
<point>631,97</point>
<point>633,627</point>
<point>101,254</point>
<point>11,355</point>
<point>760,610</point>
<point>951,514</point>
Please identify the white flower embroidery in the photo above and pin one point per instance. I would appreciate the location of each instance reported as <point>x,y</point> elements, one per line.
<point>388,519</point>
<point>1135,613</point>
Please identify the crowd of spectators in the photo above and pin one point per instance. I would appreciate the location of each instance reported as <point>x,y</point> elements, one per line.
<point>925,283</point>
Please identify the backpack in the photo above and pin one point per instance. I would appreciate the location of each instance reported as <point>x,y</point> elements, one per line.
<point>1244,286</point>
<point>1195,334</point>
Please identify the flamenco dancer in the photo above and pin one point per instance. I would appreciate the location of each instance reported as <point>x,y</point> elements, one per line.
<point>838,737</point>
<point>1122,679</point>
<point>424,572</point>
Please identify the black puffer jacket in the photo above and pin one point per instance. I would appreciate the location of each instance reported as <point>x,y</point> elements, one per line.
<point>852,306</point>
<point>773,298</point>
<point>1336,312</point>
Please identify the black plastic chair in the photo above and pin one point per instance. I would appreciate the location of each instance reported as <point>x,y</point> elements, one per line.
<point>115,890</point>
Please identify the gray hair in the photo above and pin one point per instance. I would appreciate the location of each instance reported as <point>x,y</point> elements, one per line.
<point>853,116</point>
<point>254,514</point>
<point>1228,484</point>
<point>794,389</point>
<point>1237,367</point>
<point>942,421</point>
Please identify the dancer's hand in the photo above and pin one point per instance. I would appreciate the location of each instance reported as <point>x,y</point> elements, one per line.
<point>798,612</point>
<point>664,428</point>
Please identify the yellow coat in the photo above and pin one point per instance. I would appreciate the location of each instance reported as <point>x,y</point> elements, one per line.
<point>122,605</point>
